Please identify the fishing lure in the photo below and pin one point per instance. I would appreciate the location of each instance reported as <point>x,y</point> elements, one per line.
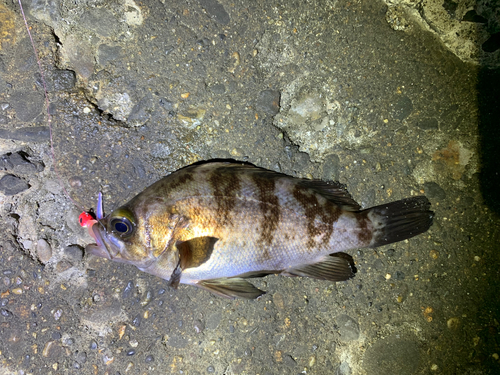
<point>88,218</point>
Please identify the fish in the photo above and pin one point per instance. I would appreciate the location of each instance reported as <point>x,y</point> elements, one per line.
<point>216,224</point>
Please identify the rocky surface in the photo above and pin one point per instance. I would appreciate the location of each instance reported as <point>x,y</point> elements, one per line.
<point>383,97</point>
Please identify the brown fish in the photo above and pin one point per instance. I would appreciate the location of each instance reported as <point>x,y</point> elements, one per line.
<point>214,225</point>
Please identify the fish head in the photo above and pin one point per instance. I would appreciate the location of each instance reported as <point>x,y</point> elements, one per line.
<point>140,233</point>
<point>118,238</point>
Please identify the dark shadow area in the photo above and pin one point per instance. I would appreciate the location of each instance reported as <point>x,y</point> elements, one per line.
<point>488,91</point>
<point>488,88</point>
<point>488,101</point>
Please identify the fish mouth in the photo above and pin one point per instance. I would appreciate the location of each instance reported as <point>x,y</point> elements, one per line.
<point>99,248</point>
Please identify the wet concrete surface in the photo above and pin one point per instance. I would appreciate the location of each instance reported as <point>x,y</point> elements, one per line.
<point>324,89</point>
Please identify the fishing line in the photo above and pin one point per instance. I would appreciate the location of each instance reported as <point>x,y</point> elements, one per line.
<point>49,117</point>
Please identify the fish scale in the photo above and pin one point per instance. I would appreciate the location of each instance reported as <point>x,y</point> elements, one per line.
<point>216,224</point>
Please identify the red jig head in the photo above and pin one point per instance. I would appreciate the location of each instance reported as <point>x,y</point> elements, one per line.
<point>85,219</point>
<point>88,218</point>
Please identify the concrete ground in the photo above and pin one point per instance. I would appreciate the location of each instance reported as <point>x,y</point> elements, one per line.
<point>392,99</point>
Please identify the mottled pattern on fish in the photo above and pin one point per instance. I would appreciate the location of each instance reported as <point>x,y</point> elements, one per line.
<point>222,220</point>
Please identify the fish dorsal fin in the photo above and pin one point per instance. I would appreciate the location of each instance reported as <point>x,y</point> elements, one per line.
<point>195,252</point>
<point>334,267</point>
<point>335,192</point>
<point>231,288</point>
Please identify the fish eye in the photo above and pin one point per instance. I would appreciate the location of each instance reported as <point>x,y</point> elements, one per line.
<point>122,222</point>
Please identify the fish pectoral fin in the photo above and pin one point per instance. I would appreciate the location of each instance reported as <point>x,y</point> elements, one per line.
<point>196,251</point>
<point>334,267</point>
<point>231,288</point>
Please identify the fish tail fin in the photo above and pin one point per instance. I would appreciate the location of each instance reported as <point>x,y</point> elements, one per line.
<point>400,220</point>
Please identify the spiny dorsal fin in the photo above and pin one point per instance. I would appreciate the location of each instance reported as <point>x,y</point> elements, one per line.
<point>231,288</point>
<point>196,251</point>
<point>335,192</point>
<point>334,267</point>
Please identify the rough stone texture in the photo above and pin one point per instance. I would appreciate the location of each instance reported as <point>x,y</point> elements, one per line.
<point>393,355</point>
<point>466,28</point>
<point>12,185</point>
<point>368,96</point>
<point>348,328</point>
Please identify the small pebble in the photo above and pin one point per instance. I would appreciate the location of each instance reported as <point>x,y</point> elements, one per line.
<point>93,345</point>
<point>453,323</point>
<point>57,314</point>
<point>47,348</point>
<point>81,357</point>
<point>268,101</point>
<point>131,352</point>
<point>312,361</point>
<point>5,313</point>
<point>127,292</point>
<point>149,359</point>
<point>43,250</point>
<point>133,343</point>
<point>137,321</point>
<point>199,326</point>
<point>107,359</point>
<point>147,298</point>
<point>129,367</point>
<point>210,369</point>
<point>75,182</point>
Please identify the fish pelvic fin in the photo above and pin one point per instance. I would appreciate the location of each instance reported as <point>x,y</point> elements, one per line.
<point>333,267</point>
<point>400,220</point>
<point>231,288</point>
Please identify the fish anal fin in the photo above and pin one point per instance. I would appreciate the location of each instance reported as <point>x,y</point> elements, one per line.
<point>231,288</point>
<point>196,251</point>
<point>333,267</point>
